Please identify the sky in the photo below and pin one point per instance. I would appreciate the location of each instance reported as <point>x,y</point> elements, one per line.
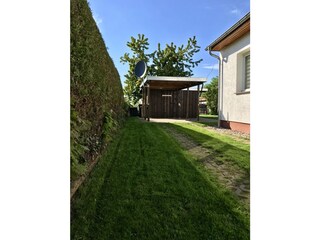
<point>164,22</point>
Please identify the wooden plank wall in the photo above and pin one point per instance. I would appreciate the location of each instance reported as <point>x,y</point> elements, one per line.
<point>174,105</point>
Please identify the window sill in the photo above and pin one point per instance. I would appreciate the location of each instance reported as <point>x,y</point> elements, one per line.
<point>243,92</point>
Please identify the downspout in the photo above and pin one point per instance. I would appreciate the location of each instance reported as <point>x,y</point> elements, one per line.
<point>219,82</point>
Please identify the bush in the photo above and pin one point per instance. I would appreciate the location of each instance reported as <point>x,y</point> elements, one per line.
<point>97,104</point>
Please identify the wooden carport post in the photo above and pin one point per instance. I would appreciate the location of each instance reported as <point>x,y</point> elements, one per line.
<point>144,102</point>
<point>187,115</point>
<point>148,102</point>
<point>198,104</point>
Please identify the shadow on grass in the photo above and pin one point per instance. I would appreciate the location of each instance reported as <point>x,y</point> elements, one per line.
<point>225,148</point>
<point>149,191</point>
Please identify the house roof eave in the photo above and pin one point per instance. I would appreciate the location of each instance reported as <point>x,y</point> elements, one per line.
<point>230,31</point>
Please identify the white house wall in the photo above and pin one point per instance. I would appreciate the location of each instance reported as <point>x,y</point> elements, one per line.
<point>234,107</point>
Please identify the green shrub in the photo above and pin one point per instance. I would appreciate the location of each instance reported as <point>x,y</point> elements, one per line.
<point>97,104</point>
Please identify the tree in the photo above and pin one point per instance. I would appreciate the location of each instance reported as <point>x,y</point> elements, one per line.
<point>212,95</point>
<point>138,47</point>
<point>170,61</point>
<point>175,61</point>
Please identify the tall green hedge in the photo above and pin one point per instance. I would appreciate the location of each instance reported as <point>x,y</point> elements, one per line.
<point>97,103</point>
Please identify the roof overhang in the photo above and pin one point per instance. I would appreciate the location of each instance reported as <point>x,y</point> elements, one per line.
<point>172,83</point>
<point>238,30</point>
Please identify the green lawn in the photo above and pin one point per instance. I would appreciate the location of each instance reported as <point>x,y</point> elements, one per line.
<point>147,187</point>
<point>227,148</point>
<point>209,116</point>
<point>208,120</point>
<point>206,123</point>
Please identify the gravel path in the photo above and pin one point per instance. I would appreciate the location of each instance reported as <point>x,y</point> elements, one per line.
<point>229,132</point>
<point>232,133</point>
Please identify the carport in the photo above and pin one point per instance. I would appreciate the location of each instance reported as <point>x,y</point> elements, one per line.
<point>170,97</point>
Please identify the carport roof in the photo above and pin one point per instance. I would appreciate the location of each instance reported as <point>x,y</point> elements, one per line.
<point>171,83</point>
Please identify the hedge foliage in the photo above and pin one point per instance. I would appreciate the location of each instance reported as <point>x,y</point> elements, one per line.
<point>97,103</point>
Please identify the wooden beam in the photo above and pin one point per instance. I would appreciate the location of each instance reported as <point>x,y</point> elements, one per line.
<point>144,102</point>
<point>181,105</point>
<point>172,85</point>
<point>148,102</point>
<point>198,104</point>
<point>187,115</point>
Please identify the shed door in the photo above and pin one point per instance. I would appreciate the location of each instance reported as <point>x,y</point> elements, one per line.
<point>167,103</point>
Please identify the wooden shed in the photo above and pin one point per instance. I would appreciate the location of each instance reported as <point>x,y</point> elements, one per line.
<point>170,97</point>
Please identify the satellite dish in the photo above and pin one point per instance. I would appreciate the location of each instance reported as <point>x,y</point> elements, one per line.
<point>140,69</point>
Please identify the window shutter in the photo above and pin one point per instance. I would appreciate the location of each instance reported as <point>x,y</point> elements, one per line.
<point>247,72</point>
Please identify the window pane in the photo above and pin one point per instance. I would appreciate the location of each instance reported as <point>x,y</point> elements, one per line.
<point>247,73</point>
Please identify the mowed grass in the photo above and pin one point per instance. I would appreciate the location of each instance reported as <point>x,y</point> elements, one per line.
<point>208,120</point>
<point>213,123</point>
<point>209,116</point>
<point>147,187</point>
<point>226,147</point>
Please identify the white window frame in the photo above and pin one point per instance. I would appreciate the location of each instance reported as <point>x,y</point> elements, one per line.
<point>244,72</point>
<point>241,71</point>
